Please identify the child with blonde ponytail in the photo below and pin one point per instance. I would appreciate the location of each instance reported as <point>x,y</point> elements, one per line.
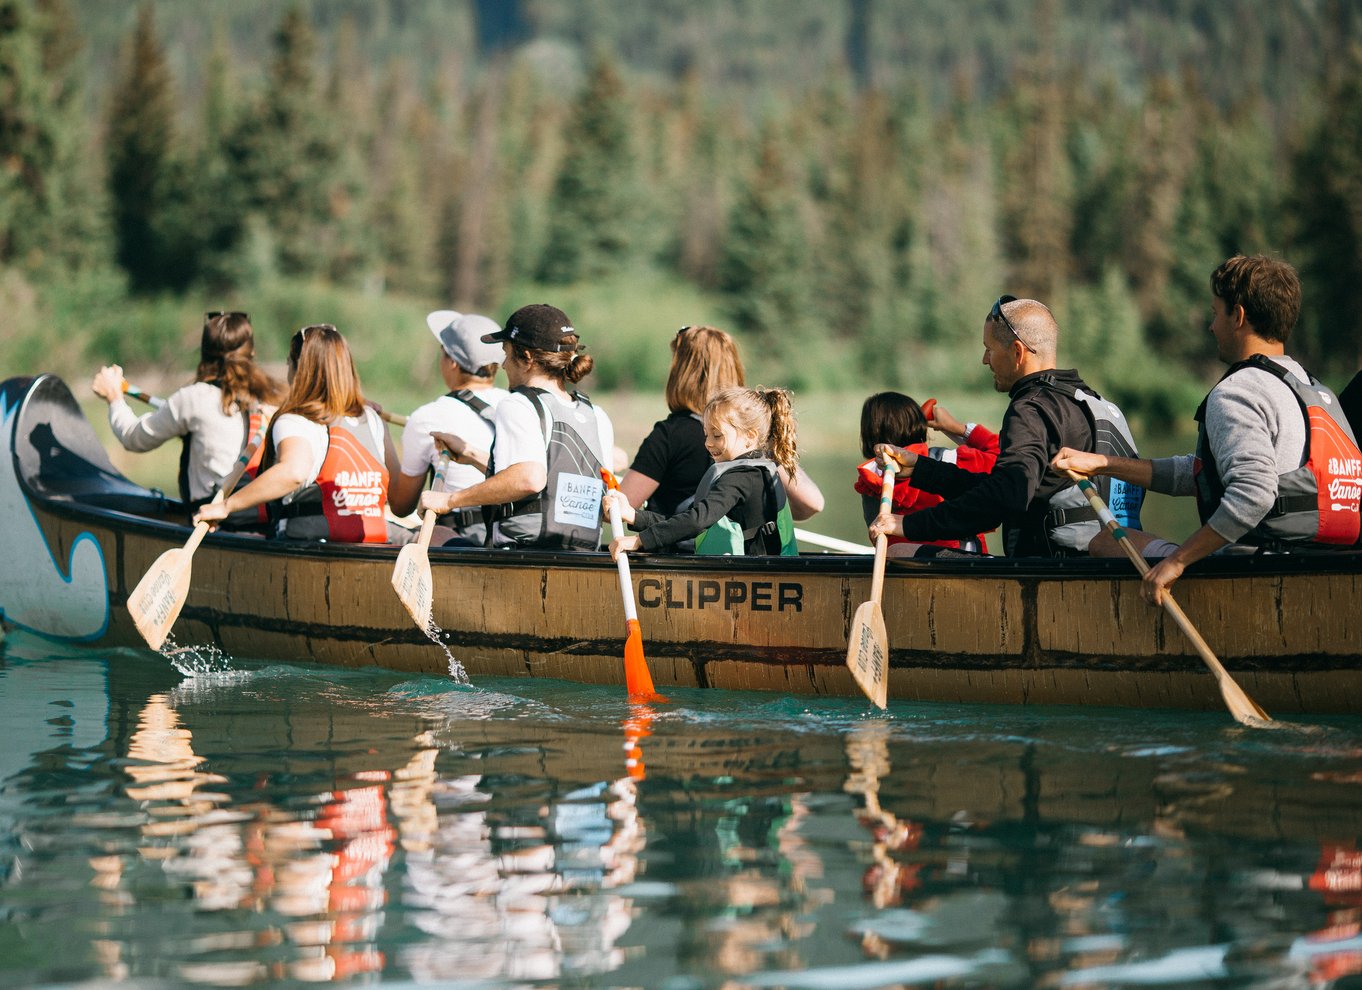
<point>740,506</point>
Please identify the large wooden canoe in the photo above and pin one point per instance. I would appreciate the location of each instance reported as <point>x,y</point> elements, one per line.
<point>78,536</point>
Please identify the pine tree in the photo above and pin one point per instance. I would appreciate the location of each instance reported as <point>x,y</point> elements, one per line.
<point>596,206</point>
<point>141,142</point>
<point>285,154</point>
<point>1328,209</point>
<point>764,268</point>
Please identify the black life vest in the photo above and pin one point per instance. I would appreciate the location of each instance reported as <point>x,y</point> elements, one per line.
<point>1070,522</point>
<point>727,536</point>
<point>1317,503</point>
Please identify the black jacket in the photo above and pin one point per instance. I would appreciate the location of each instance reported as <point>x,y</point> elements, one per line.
<point>1038,421</point>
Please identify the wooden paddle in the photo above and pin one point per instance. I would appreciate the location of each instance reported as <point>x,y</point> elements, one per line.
<point>868,646</point>
<point>155,401</point>
<point>1241,706</point>
<point>411,575</point>
<point>394,418</point>
<point>637,678</point>
<point>156,601</point>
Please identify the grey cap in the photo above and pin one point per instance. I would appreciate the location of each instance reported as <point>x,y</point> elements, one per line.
<point>460,334</point>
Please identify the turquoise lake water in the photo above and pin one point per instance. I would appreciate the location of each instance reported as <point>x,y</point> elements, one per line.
<point>218,822</point>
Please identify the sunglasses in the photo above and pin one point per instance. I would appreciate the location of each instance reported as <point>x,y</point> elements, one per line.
<point>996,313</point>
<point>321,327</point>
<point>213,314</point>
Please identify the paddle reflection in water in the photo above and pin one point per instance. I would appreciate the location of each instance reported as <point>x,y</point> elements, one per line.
<point>293,824</point>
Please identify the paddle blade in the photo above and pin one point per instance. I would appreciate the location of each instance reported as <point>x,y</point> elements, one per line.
<point>868,653</point>
<point>156,601</point>
<point>637,679</point>
<point>412,582</point>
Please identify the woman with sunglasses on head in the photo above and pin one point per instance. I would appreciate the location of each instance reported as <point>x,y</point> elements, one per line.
<point>672,458</point>
<point>543,486</point>
<point>215,416</point>
<point>329,459</point>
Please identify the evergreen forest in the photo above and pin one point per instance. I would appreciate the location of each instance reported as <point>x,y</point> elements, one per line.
<point>845,184</point>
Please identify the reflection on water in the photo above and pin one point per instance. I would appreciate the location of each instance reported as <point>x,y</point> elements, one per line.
<point>276,824</point>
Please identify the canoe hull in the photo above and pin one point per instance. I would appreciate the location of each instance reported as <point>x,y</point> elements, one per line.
<point>1013,632</point>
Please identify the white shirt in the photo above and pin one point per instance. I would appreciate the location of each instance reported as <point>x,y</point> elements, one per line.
<point>448,415</point>
<point>293,425</point>
<point>520,436</point>
<point>215,437</point>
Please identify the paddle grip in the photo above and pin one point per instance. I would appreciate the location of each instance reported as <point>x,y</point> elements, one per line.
<point>882,541</point>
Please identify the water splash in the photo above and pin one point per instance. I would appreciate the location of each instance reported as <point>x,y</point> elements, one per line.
<point>196,659</point>
<point>437,636</point>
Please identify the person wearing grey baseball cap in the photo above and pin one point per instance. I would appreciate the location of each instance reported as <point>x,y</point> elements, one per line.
<point>543,488</point>
<point>460,421</point>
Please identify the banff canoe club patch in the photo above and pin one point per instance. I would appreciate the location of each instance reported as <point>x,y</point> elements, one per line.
<point>578,501</point>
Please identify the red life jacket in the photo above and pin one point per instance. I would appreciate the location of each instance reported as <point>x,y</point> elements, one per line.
<point>1319,501</point>
<point>254,423</point>
<point>353,482</point>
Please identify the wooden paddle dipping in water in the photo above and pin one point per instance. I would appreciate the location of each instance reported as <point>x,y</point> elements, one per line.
<point>411,575</point>
<point>637,678</point>
<point>1241,706</point>
<point>156,601</point>
<point>868,647</point>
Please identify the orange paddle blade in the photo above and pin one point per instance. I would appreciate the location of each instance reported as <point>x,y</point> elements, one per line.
<point>636,676</point>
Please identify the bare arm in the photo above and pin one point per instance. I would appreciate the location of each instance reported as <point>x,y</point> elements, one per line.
<point>806,499</point>
<point>1136,470</point>
<point>1161,576</point>
<point>638,487</point>
<point>404,491</point>
<point>509,485</point>
<point>286,475</point>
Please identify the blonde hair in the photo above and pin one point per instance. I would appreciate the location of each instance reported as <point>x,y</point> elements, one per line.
<point>325,384</point>
<point>767,412</point>
<point>704,360</point>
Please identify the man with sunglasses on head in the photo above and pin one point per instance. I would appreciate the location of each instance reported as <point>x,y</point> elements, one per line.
<point>1042,513</point>
<point>1276,466</point>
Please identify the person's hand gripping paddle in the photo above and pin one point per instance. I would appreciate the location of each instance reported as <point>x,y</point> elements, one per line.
<point>868,646</point>
<point>1241,706</point>
<point>156,601</point>
<point>637,678</point>
<point>411,574</point>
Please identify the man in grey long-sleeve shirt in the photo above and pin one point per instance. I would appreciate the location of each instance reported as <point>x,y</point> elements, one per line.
<point>1252,431</point>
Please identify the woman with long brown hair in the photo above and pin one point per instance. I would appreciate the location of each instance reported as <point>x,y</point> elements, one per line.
<point>672,458</point>
<point>330,458</point>
<point>215,415</point>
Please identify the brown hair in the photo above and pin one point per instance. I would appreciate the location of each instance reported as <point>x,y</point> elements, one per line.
<point>704,360</point>
<point>891,417</point>
<point>1268,289</point>
<point>325,385</point>
<point>227,360</point>
<point>570,365</point>
<point>769,412</point>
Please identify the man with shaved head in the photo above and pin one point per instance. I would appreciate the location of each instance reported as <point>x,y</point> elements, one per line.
<point>1042,513</point>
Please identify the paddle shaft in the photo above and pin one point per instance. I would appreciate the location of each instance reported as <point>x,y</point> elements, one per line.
<point>622,562</point>
<point>882,541</point>
<point>155,401</point>
<point>1202,648</point>
<point>428,520</point>
<point>393,418</point>
<point>831,542</point>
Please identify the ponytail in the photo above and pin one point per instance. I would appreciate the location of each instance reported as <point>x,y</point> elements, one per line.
<point>768,412</point>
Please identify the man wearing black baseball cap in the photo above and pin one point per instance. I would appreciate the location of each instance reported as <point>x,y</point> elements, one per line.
<point>543,488</point>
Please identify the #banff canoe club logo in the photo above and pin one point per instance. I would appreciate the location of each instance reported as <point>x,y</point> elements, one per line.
<point>358,493</point>
<point>59,599</point>
<point>1346,487</point>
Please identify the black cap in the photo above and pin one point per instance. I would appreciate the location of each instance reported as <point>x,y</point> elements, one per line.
<point>538,327</point>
